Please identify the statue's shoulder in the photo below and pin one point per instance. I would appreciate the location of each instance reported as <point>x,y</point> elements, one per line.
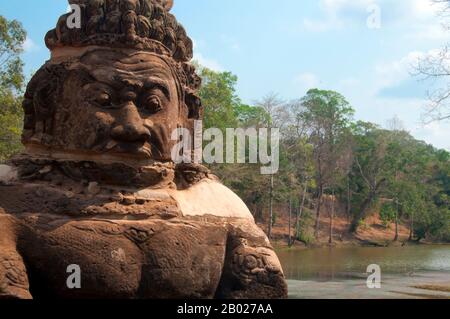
<point>209,197</point>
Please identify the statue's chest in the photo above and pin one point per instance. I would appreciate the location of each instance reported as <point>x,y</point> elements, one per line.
<point>118,259</point>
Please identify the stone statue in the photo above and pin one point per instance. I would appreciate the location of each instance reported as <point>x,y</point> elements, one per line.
<point>96,186</point>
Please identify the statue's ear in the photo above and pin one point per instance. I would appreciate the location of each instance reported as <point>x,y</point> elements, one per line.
<point>44,99</point>
<point>194,104</point>
<point>41,99</point>
<point>48,88</point>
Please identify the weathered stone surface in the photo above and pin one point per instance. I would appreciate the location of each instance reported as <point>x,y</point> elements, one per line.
<point>96,186</point>
<point>13,277</point>
<point>126,259</point>
<point>210,198</point>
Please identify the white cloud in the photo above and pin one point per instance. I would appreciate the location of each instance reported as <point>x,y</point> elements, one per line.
<point>425,9</point>
<point>306,81</point>
<point>337,7</point>
<point>29,45</point>
<point>424,19</point>
<point>363,94</point>
<point>429,25</point>
<point>204,61</point>
<point>393,72</point>
<point>430,32</point>
<point>421,16</point>
<point>437,133</point>
<point>417,24</point>
<point>337,14</point>
<point>230,42</point>
<point>209,63</point>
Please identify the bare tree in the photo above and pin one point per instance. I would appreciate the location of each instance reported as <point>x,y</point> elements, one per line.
<point>290,226</point>
<point>327,114</point>
<point>435,67</point>
<point>371,165</point>
<point>395,124</point>
<point>273,106</point>
<point>332,214</point>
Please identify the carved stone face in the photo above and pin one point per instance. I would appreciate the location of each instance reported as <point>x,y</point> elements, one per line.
<point>120,104</point>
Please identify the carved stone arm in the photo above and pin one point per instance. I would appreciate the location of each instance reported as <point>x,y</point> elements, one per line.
<point>252,269</point>
<point>13,276</point>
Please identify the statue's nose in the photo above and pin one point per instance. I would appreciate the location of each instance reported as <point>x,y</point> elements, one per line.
<point>129,126</point>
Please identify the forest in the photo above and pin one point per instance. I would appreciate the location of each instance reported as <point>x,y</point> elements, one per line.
<point>331,165</point>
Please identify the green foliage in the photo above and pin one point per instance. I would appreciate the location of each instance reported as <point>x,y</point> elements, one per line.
<point>327,116</point>
<point>306,229</point>
<point>322,147</point>
<point>433,225</point>
<point>250,116</point>
<point>12,37</point>
<point>387,213</point>
<point>223,109</point>
<point>218,94</point>
<point>10,131</point>
<point>327,111</point>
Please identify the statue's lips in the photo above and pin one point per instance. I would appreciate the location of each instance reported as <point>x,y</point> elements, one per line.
<point>149,148</point>
<point>135,148</point>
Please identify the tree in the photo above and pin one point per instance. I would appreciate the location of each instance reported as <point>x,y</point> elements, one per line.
<point>435,67</point>
<point>370,169</point>
<point>12,37</point>
<point>223,109</point>
<point>324,154</point>
<point>297,165</point>
<point>271,105</point>
<point>218,94</point>
<point>327,115</point>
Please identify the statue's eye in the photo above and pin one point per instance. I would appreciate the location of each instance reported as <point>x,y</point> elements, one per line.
<point>153,104</point>
<point>103,99</point>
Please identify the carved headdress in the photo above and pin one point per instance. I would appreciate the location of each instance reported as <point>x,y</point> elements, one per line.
<point>138,24</point>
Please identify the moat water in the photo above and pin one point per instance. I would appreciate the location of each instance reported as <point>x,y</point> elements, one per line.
<point>342,272</point>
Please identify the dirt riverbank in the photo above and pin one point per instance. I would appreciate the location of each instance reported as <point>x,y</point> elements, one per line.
<point>371,233</point>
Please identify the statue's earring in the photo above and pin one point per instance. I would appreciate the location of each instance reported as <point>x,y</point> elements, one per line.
<point>194,104</point>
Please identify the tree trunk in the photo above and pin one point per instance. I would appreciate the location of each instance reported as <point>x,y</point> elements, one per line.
<point>269,233</point>
<point>290,227</point>
<point>330,240</point>
<point>297,226</point>
<point>300,211</point>
<point>259,212</point>
<point>318,206</point>
<point>349,203</point>
<point>362,212</point>
<point>411,230</point>
<point>396,224</point>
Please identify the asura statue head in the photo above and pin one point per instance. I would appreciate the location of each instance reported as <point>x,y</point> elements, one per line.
<point>115,88</point>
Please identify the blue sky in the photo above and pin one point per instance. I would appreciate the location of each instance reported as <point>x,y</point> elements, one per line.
<point>289,46</point>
